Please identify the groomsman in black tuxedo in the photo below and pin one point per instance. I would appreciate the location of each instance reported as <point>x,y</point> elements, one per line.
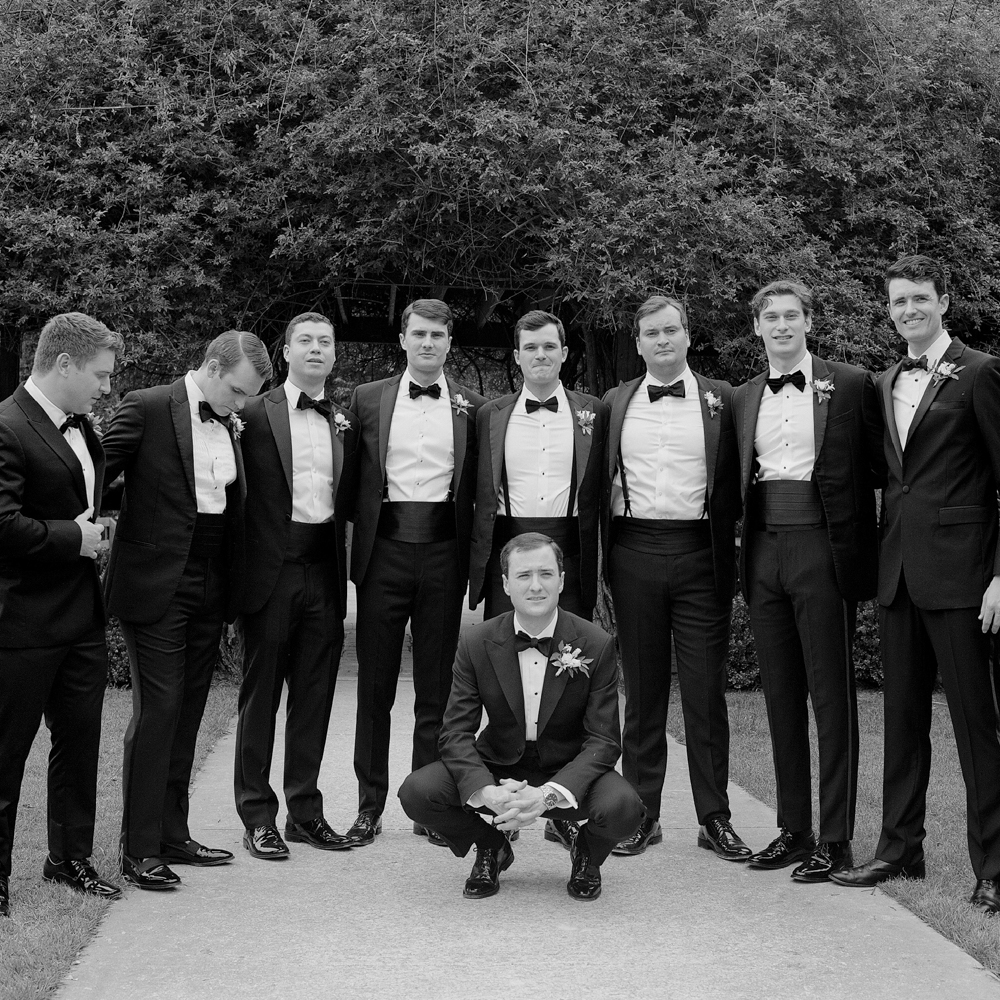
<point>809,433</point>
<point>53,660</point>
<point>176,568</point>
<point>939,578</point>
<point>410,549</point>
<point>298,449</point>
<point>671,505</point>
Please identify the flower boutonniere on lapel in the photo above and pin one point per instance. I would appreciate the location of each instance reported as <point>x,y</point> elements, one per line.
<point>945,369</point>
<point>571,660</point>
<point>713,402</point>
<point>340,423</point>
<point>585,418</point>
<point>460,404</point>
<point>236,425</point>
<point>823,387</point>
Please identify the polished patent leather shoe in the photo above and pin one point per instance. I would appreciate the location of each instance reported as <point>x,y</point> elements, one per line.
<point>986,896</point>
<point>147,873</point>
<point>484,880</point>
<point>585,877</point>
<point>650,832</point>
<point>365,829</point>
<point>835,856</point>
<point>192,853</point>
<point>265,842</point>
<point>4,896</point>
<point>80,875</point>
<point>318,833</point>
<point>433,837</point>
<point>875,872</point>
<point>718,835</point>
<point>784,850</point>
<point>561,831</point>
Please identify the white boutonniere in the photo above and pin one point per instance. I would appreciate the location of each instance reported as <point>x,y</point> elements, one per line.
<point>236,425</point>
<point>585,418</point>
<point>823,387</point>
<point>460,404</point>
<point>570,660</point>
<point>341,423</point>
<point>714,403</point>
<point>945,369</point>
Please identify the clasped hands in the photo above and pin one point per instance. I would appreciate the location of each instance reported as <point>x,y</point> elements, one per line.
<point>90,535</point>
<point>516,803</point>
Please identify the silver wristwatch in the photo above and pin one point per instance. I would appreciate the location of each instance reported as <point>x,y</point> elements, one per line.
<point>549,796</point>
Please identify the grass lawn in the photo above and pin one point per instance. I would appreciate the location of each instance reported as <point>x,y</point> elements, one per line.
<point>941,900</point>
<point>51,923</point>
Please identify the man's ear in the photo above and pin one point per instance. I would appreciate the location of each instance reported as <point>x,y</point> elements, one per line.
<point>562,581</point>
<point>506,586</point>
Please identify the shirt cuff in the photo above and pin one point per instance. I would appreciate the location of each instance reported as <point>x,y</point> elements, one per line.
<point>476,800</point>
<point>570,798</point>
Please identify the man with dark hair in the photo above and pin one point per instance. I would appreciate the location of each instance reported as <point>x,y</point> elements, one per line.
<point>299,453</point>
<point>809,434</point>
<point>410,549</point>
<point>939,578</point>
<point>671,504</point>
<point>176,568</point>
<point>53,660</point>
<point>548,682</point>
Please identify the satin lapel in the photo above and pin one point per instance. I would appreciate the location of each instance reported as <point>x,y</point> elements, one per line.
<point>460,428</point>
<point>712,425</point>
<point>582,443</point>
<point>180,412</point>
<point>890,414</point>
<point>97,455</point>
<point>241,477</point>
<point>387,403</point>
<point>276,408</point>
<point>337,443</point>
<point>622,398</point>
<point>821,409</point>
<point>751,407</point>
<point>554,685</point>
<point>499,418</point>
<point>503,656</point>
<point>49,433</point>
<point>955,350</point>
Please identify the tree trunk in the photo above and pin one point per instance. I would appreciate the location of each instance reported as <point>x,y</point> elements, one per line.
<point>628,364</point>
<point>10,360</point>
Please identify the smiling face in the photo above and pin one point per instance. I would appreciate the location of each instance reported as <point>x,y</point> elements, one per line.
<point>533,583</point>
<point>81,387</point>
<point>540,356</point>
<point>782,326</point>
<point>663,342</point>
<point>917,311</point>
<point>227,392</point>
<point>426,343</point>
<point>310,353</point>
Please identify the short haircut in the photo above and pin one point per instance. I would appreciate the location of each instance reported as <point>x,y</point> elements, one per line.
<point>535,320</point>
<point>528,541</point>
<point>231,347</point>
<point>783,286</point>
<point>305,318</point>
<point>76,334</point>
<point>653,305</point>
<point>433,309</point>
<point>918,268</point>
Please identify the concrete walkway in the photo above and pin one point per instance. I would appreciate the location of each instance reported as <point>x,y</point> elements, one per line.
<point>388,921</point>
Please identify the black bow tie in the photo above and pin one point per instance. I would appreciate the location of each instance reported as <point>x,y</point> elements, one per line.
<point>536,404</point>
<point>798,379</point>
<point>908,364</point>
<point>433,390</point>
<point>523,641</point>
<point>658,391</point>
<point>206,412</point>
<point>321,406</point>
<point>76,420</point>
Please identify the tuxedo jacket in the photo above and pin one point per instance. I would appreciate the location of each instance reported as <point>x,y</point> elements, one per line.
<point>50,595</point>
<point>373,403</point>
<point>849,467</point>
<point>939,510</point>
<point>578,736</point>
<point>266,444</point>
<point>149,439</point>
<point>588,455</point>
<point>722,494</point>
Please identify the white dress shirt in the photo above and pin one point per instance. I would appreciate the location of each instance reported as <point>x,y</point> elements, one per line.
<point>785,439</point>
<point>312,461</point>
<point>73,435</point>
<point>420,459</point>
<point>538,452</point>
<point>910,386</point>
<point>214,460</point>
<point>663,451</point>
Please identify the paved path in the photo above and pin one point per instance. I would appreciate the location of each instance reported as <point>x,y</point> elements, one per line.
<point>388,921</point>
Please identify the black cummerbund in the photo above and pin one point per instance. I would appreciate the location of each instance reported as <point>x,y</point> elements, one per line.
<point>417,521</point>
<point>784,505</point>
<point>661,536</point>
<point>564,531</point>
<point>311,543</point>
<point>209,536</point>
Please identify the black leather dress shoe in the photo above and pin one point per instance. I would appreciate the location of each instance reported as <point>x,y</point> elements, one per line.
<point>80,875</point>
<point>485,877</point>
<point>433,837</point>
<point>147,873</point>
<point>784,850</point>
<point>649,832</point>
<point>193,853</point>
<point>4,896</point>
<point>986,896</point>
<point>561,831</point>
<point>318,833</point>
<point>585,876</point>
<point>835,856</point>
<point>265,842</point>
<point>365,829</point>
<point>875,872</point>
<point>718,835</point>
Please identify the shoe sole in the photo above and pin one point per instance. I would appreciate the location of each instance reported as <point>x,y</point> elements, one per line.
<point>169,859</point>
<point>265,857</point>
<point>630,853</point>
<point>149,888</point>
<point>296,838</point>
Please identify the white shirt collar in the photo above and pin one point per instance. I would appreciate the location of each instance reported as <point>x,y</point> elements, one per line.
<point>195,395</point>
<point>651,379</point>
<point>559,392</point>
<point>936,351</point>
<point>292,392</point>
<point>52,411</point>
<point>545,633</point>
<point>805,366</point>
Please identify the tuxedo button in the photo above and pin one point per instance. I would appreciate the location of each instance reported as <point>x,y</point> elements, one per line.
<point>288,517</point>
<point>906,489</point>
